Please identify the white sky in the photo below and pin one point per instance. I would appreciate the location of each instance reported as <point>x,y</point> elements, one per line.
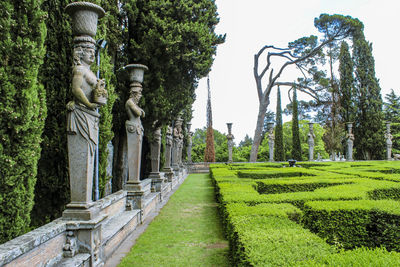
<point>251,24</point>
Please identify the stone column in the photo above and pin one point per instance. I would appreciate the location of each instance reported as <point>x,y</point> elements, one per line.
<point>388,137</point>
<point>136,188</point>
<point>311,137</point>
<point>168,154</point>
<point>83,119</point>
<point>155,147</point>
<point>350,140</point>
<point>271,141</point>
<point>230,138</point>
<point>189,147</point>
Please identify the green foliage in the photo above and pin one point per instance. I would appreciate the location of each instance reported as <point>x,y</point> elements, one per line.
<point>199,145</point>
<point>296,145</point>
<point>265,220</point>
<point>368,129</point>
<point>304,128</point>
<point>106,30</point>
<point>23,111</point>
<point>176,40</point>
<point>279,153</point>
<point>52,186</point>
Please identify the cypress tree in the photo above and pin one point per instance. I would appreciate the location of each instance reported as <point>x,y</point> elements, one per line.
<point>296,149</point>
<point>22,111</point>
<point>279,152</point>
<point>108,30</point>
<point>52,187</point>
<point>346,88</point>
<point>368,131</point>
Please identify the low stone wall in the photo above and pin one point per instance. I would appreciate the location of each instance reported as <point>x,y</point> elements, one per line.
<point>59,242</point>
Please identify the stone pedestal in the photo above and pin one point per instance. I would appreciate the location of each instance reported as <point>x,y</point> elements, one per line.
<point>168,154</point>
<point>136,193</point>
<point>85,237</point>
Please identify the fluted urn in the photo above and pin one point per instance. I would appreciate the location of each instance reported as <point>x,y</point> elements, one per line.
<point>84,17</point>
<point>136,72</point>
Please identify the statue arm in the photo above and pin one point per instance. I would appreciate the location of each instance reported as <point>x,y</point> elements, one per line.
<point>79,95</point>
<point>135,109</point>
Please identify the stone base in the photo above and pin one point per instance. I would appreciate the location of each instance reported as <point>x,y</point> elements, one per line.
<point>86,236</point>
<point>80,211</point>
<point>136,192</point>
<point>158,180</point>
<point>168,173</point>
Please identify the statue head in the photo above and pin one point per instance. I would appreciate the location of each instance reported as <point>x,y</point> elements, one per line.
<point>84,52</point>
<point>136,93</point>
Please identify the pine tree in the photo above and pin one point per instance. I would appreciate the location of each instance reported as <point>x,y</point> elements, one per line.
<point>368,131</point>
<point>346,88</point>
<point>22,111</point>
<point>296,150</point>
<point>279,152</point>
<point>209,153</point>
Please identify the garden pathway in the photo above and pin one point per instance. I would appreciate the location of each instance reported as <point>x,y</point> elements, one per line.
<point>186,232</point>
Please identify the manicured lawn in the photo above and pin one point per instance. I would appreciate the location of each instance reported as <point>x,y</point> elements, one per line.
<point>187,232</point>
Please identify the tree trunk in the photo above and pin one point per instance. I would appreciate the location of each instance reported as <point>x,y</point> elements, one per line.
<point>258,132</point>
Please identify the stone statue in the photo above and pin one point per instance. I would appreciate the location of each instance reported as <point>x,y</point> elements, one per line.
<point>189,147</point>
<point>134,128</point>
<point>155,150</point>
<point>177,144</point>
<point>350,140</point>
<point>230,138</point>
<point>388,137</point>
<point>82,118</point>
<point>168,154</point>
<point>311,137</point>
<point>271,141</point>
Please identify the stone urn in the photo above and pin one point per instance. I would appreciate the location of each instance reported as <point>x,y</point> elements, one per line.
<point>229,124</point>
<point>84,17</point>
<point>136,72</point>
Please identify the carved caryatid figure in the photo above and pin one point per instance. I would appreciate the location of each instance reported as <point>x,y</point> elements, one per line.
<point>389,143</point>
<point>230,138</point>
<point>155,151</point>
<point>134,130</point>
<point>350,140</point>
<point>311,137</point>
<point>177,144</point>
<point>168,147</point>
<point>83,121</point>
<point>271,140</point>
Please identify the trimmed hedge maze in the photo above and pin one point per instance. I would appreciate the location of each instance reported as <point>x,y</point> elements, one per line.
<point>319,214</point>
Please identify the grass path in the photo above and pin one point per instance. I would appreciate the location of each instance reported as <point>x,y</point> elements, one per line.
<point>187,232</point>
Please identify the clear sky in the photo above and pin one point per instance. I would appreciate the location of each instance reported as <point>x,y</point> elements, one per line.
<point>251,24</point>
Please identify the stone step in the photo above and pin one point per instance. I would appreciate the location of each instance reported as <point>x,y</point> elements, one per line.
<point>116,229</point>
<point>79,260</point>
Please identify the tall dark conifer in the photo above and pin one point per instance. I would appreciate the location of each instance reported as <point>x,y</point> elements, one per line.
<point>369,137</point>
<point>209,152</point>
<point>52,187</point>
<point>22,111</point>
<point>296,149</point>
<point>346,87</point>
<point>279,152</point>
